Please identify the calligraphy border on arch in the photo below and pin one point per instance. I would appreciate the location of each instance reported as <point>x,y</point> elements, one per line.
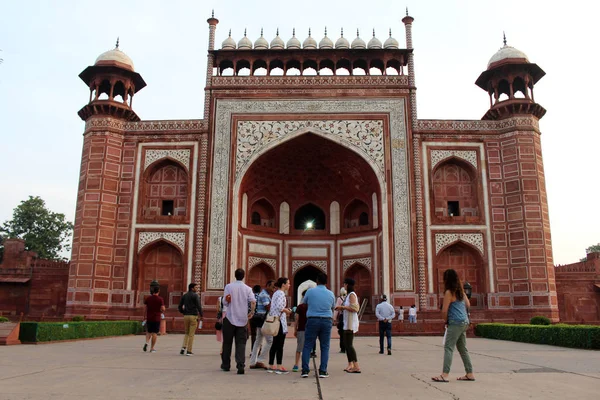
<point>222,173</point>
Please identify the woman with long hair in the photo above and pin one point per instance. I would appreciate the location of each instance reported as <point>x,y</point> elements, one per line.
<point>279,309</point>
<point>350,309</point>
<point>455,311</point>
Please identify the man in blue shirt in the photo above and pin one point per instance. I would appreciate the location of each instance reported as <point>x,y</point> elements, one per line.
<point>262,303</point>
<point>320,302</point>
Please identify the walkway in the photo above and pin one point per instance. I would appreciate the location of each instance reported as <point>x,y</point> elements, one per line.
<point>116,368</point>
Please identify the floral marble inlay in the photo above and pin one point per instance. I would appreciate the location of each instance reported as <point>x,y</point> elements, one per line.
<point>444,239</point>
<point>252,261</point>
<point>297,264</point>
<point>366,261</point>
<point>176,238</point>
<point>437,156</point>
<point>181,155</point>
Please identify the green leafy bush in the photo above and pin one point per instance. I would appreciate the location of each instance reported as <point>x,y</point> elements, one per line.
<point>78,318</point>
<point>4,319</point>
<point>579,336</point>
<point>540,320</point>
<point>48,331</point>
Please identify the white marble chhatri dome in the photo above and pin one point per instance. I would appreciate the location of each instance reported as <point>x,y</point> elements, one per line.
<point>507,52</point>
<point>115,55</point>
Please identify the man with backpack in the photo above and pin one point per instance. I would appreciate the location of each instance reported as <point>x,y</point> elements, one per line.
<point>190,307</point>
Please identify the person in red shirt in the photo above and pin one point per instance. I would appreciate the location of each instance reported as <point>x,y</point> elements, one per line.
<point>155,306</point>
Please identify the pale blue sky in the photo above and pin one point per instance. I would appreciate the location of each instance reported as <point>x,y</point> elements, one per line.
<point>46,44</point>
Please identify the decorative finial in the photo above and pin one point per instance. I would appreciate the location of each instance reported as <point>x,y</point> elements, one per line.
<point>373,32</point>
<point>309,32</point>
<point>407,11</point>
<point>503,34</point>
<point>261,32</point>
<point>357,34</point>
<point>230,33</point>
<point>342,32</point>
<point>390,32</point>
<point>213,13</point>
<point>117,45</point>
<point>325,31</point>
<point>277,31</point>
<point>294,32</point>
<point>244,32</point>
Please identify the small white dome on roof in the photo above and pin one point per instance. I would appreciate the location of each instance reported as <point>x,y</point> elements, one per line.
<point>326,43</point>
<point>358,43</point>
<point>277,42</point>
<point>391,43</point>
<point>309,42</point>
<point>229,43</point>
<point>261,43</point>
<point>293,43</point>
<point>244,42</point>
<point>342,42</point>
<point>115,55</point>
<point>507,52</point>
<point>374,43</point>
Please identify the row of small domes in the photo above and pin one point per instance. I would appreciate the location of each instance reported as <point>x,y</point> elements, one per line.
<point>309,43</point>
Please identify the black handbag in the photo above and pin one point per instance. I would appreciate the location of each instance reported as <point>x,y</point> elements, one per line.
<point>218,325</point>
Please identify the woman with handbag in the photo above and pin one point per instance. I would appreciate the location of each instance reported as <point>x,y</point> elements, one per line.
<point>278,311</point>
<point>221,311</point>
<point>350,309</point>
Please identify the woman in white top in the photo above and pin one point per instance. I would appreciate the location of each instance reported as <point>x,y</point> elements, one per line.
<point>350,308</point>
<point>401,314</point>
<point>279,309</point>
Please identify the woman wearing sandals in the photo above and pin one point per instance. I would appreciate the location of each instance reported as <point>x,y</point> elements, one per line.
<point>278,309</point>
<point>455,311</point>
<point>350,308</point>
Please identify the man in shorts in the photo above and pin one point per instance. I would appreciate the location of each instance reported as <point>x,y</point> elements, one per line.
<point>155,306</point>
<point>299,331</point>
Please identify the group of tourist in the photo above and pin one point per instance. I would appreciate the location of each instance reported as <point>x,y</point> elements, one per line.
<point>242,306</point>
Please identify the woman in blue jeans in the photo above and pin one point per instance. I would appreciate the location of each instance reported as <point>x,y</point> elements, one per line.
<point>455,312</point>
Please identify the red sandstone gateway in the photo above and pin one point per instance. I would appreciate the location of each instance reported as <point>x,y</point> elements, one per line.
<point>310,157</point>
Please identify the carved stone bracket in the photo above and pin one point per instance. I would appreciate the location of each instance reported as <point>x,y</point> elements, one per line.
<point>366,262</point>
<point>297,264</point>
<point>437,156</point>
<point>181,155</point>
<point>271,262</point>
<point>444,239</point>
<point>176,238</point>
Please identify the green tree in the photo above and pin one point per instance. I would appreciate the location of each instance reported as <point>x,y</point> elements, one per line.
<point>45,232</point>
<point>595,248</point>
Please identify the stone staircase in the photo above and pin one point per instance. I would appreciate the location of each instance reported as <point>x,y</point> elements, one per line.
<point>9,333</point>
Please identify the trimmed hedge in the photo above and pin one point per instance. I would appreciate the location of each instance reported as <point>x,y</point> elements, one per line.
<point>540,320</point>
<point>33,332</point>
<point>578,336</point>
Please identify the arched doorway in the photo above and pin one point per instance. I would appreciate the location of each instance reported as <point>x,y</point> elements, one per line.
<point>307,273</point>
<point>259,275</point>
<point>163,262</point>
<point>362,278</point>
<point>467,262</point>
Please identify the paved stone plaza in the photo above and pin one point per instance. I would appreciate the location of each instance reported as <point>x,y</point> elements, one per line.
<point>116,368</point>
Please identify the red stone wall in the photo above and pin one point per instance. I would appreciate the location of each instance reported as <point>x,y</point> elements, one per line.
<point>578,289</point>
<point>521,239</point>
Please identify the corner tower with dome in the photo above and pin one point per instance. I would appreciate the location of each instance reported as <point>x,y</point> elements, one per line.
<point>310,157</point>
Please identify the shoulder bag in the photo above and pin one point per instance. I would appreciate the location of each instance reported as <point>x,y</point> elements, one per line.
<point>271,326</point>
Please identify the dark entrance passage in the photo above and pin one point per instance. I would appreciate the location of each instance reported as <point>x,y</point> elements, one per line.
<point>304,274</point>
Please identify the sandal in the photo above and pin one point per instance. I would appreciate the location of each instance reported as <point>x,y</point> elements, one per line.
<point>355,371</point>
<point>439,379</point>
<point>465,378</point>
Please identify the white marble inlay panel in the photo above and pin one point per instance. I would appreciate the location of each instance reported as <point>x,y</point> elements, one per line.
<point>365,261</point>
<point>444,239</point>
<point>181,155</point>
<point>262,249</point>
<point>366,135</point>
<point>252,261</point>
<point>394,108</point>
<point>357,249</point>
<point>309,252</point>
<point>437,156</point>
<point>297,264</point>
<point>284,218</point>
<point>176,238</point>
